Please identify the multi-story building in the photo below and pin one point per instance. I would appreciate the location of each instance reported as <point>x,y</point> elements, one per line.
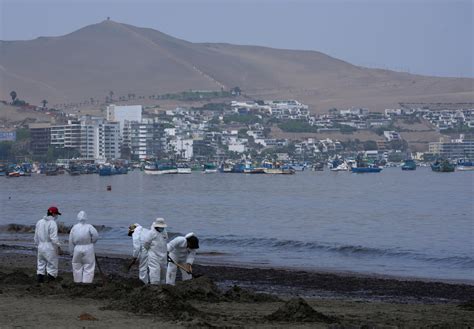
<point>146,139</point>
<point>57,136</point>
<point>40,134</point>
<point>461,148</point>
<point>120,114</point>
<point>72,134</point>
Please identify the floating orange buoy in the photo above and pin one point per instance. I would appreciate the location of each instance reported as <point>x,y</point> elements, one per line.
<point>109,187</point>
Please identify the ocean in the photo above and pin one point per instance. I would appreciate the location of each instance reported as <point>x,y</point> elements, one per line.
<point>414,224</point>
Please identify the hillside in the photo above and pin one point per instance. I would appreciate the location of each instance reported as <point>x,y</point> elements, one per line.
<point>96,59</point>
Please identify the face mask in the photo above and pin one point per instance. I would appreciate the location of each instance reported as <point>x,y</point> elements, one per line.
<point>160,229</point>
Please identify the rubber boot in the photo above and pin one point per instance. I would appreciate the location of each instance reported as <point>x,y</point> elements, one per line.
<point>51,278</point>
<point>40,278</point>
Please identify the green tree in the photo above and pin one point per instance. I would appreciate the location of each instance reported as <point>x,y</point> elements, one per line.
<point>370,145</point>
<point>22,134</point>
<point>13,95</point>
<point>297,126</point>
<point>6,150</point>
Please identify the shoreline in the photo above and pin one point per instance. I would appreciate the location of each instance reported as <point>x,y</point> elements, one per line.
<point>224,296</point>
<point>280,281</point>
<point>209,262</point>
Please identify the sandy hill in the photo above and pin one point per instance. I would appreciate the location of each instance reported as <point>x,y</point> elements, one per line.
<point>127,59</point>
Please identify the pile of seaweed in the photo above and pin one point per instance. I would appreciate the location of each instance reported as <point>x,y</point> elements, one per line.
<point>297,310</point>
<point>168,302</point>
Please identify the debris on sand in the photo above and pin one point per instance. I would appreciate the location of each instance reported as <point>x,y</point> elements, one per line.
<point>237,294</point>
<point>87,317</point>
<point>297,310</point>
<point>467,306</point>
<point>163,301</point>
<point>16,277</point>
<point>202,288</point>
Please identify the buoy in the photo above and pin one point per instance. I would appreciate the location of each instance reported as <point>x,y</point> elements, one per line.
<point>109,187</point>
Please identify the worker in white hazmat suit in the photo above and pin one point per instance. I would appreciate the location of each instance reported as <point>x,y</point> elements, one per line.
<point>81,246</point>
<point>46,239</point>
<point>140,254</point>
<point>155,243</point>
<point>182,251</point>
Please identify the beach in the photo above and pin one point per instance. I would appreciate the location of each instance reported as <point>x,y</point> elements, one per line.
<point>225,296</point>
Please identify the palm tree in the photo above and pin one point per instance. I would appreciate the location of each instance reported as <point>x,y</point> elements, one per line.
<point>13,96</point>
<point>44,102</point>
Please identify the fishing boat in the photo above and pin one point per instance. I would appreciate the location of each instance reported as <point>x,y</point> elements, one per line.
<point>298,166</point>
<point>51,170</point>
<point>318,166</point>
<point>443,166</point>
<point>196,167</point>
<point>107,170</point>
<point>362,166</point>
<point>183,168</point>
<point>465,165</point>
<point>370,169</point>
<point>74,169</point>
<point>341,167</point>
<point>210,168</point>
<point>409,164</point>
<point>254,170</point>
<point>277,168</point>
<point>227,168</point>
<point>160,168</point>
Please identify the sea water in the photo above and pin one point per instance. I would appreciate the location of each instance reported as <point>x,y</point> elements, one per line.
<point>403,223</point>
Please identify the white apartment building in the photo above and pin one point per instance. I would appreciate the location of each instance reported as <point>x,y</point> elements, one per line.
<point>131,113</point>
<point>182,147</point>
<point>94,138</point>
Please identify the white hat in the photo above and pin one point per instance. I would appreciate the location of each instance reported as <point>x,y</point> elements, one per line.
<point>189,235</point>
<point>159,222</point>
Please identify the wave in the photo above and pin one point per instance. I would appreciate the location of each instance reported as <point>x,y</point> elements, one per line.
<point>62,228</point>
<point>341,249</point>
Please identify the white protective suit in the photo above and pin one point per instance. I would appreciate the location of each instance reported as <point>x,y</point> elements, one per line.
<point>46,239</point>
<point>81,246</point>
<point>138,237</point>
<point>181,254</point>
<point>155,243</point>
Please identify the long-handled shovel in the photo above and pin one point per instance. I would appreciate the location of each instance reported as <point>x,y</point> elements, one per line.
<point>183,268</point>
<point>102,275</point>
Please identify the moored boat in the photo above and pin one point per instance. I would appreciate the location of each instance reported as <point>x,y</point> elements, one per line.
<point>160,168</point>
<point>409,164</point>
<point>362,166</point>
<point>443,166</point>
<point>209,168</point>
<point>360,170</point>
<point>465,165</point>
<point>183,168</point>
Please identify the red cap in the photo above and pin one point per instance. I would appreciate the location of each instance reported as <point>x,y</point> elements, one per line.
<point>53,211</point>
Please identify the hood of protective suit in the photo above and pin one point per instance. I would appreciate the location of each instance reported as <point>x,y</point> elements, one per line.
<point>82,216</point>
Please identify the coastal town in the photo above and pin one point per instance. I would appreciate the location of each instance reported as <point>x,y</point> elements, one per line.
<point>231,134</point>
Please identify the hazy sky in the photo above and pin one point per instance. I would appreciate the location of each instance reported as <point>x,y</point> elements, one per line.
<point>430,37</point>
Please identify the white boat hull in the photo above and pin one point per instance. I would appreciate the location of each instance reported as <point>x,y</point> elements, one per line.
<point>465,168</point>
<point>184,170</point>
<point>160,172</point>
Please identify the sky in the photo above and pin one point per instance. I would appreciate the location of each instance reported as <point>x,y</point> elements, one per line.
<point>429,37</point>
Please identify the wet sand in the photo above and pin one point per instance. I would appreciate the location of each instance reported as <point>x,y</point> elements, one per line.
<point>266,298</point>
